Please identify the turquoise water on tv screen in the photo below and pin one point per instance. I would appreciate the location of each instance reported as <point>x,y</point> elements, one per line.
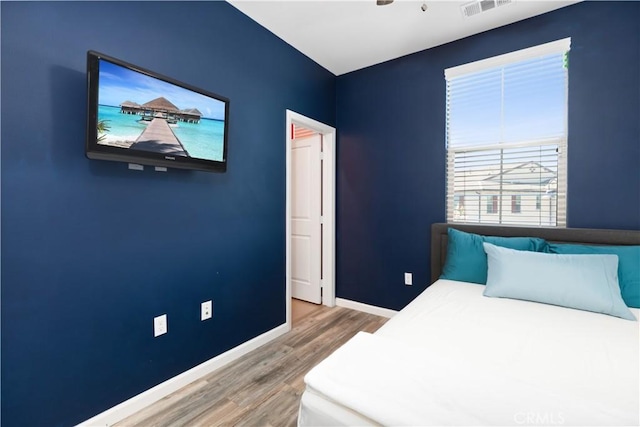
<point>204,140</point>
<point>122,127</point>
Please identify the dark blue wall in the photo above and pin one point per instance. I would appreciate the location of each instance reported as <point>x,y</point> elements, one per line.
<point>391,152</point>
<point>91,251</point>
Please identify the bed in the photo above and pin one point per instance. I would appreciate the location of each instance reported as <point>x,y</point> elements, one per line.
<point>456,357</point>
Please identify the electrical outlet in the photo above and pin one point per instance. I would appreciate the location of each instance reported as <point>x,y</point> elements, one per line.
<point>206,310</point>
<point>160,325</point>
<point>408,279</point>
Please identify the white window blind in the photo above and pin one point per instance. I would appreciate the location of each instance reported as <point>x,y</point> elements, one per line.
<point>507,138</point>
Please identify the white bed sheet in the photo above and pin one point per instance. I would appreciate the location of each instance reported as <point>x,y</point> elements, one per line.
<point>576,357</point>
<point>318,410</point>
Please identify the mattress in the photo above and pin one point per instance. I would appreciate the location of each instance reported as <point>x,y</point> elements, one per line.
<point>455,357</point>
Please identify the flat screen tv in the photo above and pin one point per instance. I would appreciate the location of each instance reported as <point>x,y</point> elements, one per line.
<point>138,116</point>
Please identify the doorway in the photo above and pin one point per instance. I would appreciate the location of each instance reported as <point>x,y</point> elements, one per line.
<point>310,147</point>
<point>306,214</point>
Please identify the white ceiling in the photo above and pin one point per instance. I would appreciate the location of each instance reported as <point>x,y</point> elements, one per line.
<point>346,35</point>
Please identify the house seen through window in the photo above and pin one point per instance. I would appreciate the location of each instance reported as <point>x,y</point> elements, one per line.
<point>507,138</point>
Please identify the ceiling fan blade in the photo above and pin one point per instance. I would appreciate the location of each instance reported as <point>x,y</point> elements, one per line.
<point>383,2</point>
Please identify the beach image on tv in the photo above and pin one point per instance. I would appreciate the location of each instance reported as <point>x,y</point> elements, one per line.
<point>139,112</point>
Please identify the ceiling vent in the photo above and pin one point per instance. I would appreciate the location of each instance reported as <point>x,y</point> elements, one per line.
<point>479,6</point>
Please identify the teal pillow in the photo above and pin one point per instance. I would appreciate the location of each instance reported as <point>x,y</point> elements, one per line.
<point>628,266</point>
<point>584,282</point>
<point>466,259</point>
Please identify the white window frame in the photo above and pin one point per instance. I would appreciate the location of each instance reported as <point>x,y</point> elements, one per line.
<point>555,47</point>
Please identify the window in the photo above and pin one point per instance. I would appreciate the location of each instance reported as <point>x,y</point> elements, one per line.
<point>492,204</point>
<point>516,204</point>
<point>507,138</point>
<point>458,203</point>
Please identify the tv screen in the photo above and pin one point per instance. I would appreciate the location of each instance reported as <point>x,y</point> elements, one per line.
<point>138,116</point>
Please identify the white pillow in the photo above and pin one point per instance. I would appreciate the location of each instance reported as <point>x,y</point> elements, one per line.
<point>585,282</point>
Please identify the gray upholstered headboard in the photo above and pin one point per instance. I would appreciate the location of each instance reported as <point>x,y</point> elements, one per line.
<point>564,235</point>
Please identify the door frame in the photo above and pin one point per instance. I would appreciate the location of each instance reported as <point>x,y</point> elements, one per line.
<point>328,200</point>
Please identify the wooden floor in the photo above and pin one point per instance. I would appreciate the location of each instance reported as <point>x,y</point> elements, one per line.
<point>301,309</point>
<point>262,388</point>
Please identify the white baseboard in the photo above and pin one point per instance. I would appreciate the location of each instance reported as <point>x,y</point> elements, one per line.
<point>144,399</point>
<point>371,309</point>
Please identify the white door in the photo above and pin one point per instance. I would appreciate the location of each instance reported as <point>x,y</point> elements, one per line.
<point>306,238</point>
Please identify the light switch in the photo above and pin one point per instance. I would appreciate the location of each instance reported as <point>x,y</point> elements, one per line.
<point>408,279</point>
<point>160,325</point>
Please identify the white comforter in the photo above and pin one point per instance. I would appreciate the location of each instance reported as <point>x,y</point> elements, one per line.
<point>453,357</point>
